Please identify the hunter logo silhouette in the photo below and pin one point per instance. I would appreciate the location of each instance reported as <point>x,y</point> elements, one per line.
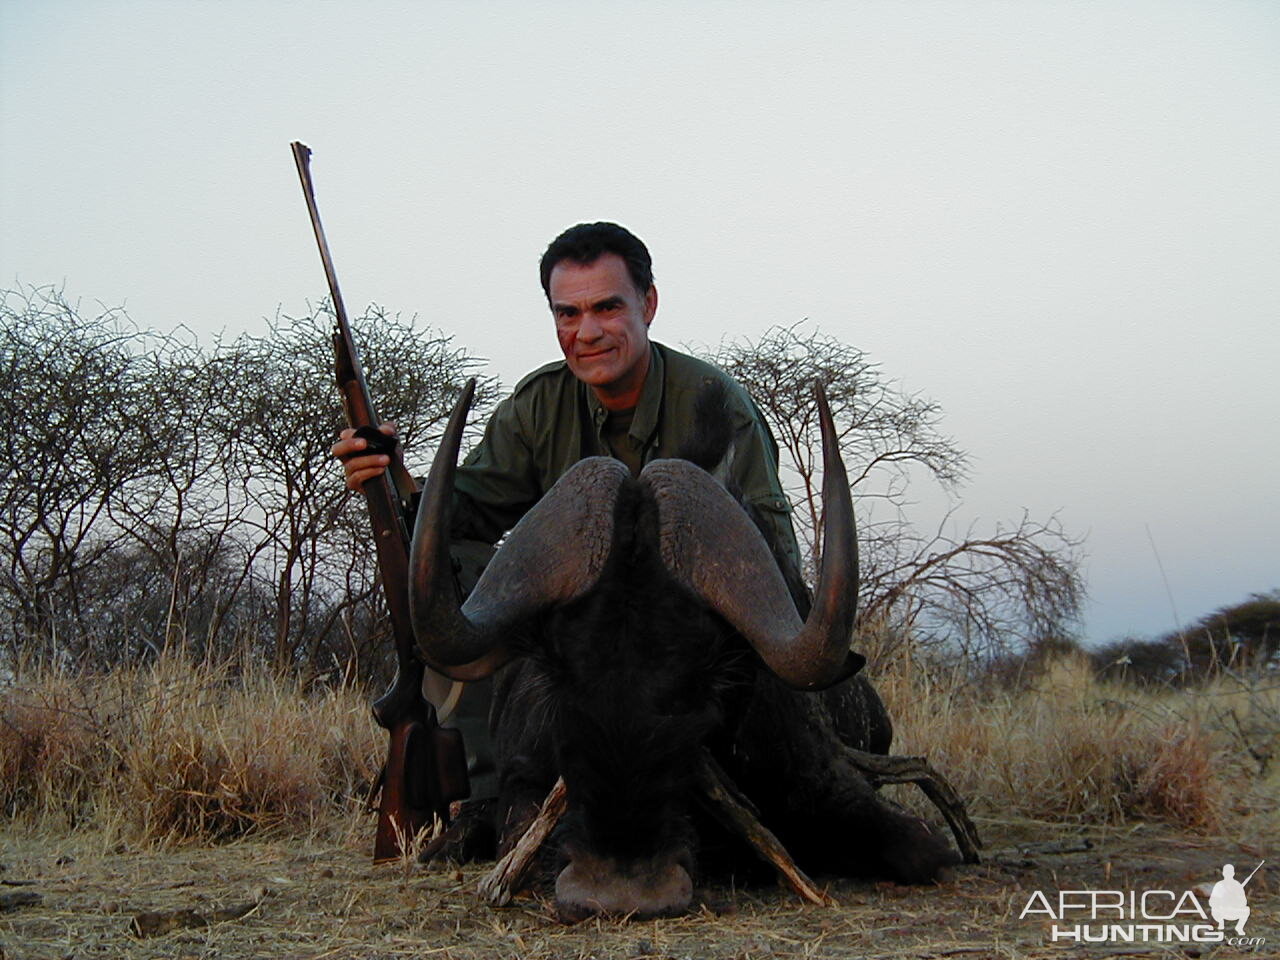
<point>1227,900</point>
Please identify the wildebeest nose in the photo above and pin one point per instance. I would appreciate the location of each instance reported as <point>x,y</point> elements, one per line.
<point>589,886</point>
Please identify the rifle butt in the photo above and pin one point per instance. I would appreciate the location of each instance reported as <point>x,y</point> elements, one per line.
<point>426,771</point>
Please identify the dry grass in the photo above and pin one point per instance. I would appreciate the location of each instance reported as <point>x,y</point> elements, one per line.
<point>1064,747</point>
<point>320,900</point>
<point>175,751</point>
<point>141,759</point>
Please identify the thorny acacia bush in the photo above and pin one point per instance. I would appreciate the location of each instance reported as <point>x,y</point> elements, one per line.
<point>70,387</point>
<point>1240,636</point>
<point>981,593</point>
<point>156,491</point>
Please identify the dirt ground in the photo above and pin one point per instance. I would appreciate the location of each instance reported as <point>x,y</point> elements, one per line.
<point>70,897</point>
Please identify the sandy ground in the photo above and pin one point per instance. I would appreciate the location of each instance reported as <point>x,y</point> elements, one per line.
<point>71,897</point>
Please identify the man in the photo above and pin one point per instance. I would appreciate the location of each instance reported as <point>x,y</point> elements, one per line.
<point>615,393</point>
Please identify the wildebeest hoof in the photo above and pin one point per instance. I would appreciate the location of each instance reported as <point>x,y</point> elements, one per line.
<point>472,836</point>
<point>918,856</point>
<point>591,886</point>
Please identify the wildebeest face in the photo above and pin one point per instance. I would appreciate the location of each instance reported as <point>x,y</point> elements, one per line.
<point>633,674</point>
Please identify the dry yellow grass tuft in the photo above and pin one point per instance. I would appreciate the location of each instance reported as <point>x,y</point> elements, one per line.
<point>178,751</point>
<point>50,758</point>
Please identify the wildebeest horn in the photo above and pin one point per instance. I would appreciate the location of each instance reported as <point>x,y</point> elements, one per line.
<point>713,549</point>
<point>553,555</point>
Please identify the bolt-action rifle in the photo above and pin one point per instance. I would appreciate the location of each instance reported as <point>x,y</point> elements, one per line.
<point>426,765</point>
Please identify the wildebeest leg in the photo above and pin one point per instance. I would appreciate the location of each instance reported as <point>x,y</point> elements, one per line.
<point>858,715</point>
<point>525,753</point>
<point>470,836</point>
<point>526,771</point>
<point>787,758</point>
<point>508,875</point>
<point>727,801</point>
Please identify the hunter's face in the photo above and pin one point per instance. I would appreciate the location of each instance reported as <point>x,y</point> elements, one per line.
<point>602,323</point>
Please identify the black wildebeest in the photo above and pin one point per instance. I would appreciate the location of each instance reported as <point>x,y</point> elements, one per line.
<point>638,623</point>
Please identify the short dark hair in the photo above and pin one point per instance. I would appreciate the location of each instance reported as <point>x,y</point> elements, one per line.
<point>585,242</point>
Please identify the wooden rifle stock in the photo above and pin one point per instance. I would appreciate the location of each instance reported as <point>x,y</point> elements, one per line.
<point>426,764</point>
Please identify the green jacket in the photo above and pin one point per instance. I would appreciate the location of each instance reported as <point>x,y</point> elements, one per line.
<point>552,420</point>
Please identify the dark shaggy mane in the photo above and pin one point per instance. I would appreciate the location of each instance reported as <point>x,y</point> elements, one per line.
<point>713,428</point>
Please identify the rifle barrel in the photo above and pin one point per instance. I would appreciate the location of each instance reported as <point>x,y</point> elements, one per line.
<point>350,372</point>
<point>354,389</point>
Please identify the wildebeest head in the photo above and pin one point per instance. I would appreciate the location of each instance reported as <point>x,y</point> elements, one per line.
<point>640,590</point>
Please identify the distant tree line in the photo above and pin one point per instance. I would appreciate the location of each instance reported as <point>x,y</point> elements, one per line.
<point>1242,636</point>
<point>157,492</point>
<point>1237,639</point>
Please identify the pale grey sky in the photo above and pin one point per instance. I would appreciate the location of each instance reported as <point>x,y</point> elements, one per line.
<point>1060,220</point>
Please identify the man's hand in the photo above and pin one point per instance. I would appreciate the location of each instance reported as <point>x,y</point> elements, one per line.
<point>361,468</point>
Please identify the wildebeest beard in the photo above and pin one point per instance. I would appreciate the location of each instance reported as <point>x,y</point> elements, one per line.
<point>639,679</point>
<point>627,685</point>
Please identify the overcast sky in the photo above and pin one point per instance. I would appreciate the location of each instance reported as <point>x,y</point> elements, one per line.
<point>1059,220</point>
